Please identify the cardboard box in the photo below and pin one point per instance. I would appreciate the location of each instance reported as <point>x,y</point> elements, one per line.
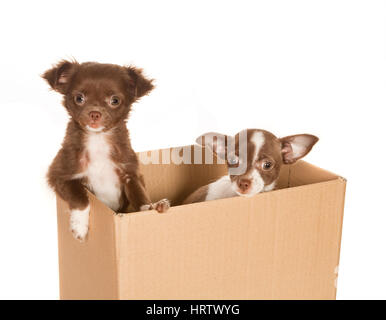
<point>282,244</point>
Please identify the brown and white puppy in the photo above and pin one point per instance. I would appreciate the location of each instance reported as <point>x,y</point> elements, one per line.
<point>96,152</point>
<point>263,156</point>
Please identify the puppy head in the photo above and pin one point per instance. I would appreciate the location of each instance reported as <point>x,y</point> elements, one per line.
<point>254,157</point>
<point>97,96</point>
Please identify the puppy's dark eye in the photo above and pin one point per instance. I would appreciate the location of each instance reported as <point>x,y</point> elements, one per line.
<point>267,165</point>
<point>233,160</point>
<point>79,98</point>
<point>115,101</point>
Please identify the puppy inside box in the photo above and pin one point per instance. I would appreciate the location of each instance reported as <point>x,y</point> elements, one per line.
<point>253,164</point>
<point>96,153</point>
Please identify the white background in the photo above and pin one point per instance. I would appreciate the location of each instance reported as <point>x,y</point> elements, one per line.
<point>285,66</point>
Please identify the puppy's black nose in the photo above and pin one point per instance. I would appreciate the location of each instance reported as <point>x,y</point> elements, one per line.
<point>244,184</point>
<point>95,115</point>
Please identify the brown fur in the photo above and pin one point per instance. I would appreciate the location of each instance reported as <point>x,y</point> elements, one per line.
<point>97,83</point>
<point>197,196</point>
<point>270,151</point>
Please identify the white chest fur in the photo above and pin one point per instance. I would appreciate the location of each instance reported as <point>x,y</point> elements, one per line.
<point>225,188</point>
<point>101,173</point>
<point>220,189</point>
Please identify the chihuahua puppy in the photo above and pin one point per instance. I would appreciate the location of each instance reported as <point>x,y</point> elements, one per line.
<point>96,153</point>
<point>263,156</point>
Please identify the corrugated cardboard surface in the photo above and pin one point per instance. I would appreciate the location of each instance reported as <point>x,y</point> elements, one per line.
<point>88,269</point>
<point>282,244</point>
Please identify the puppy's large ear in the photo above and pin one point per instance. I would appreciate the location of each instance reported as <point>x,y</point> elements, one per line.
<point>139,85</point>
<point>217,142</point>
<point>59,76</point>
<point>295,147</point>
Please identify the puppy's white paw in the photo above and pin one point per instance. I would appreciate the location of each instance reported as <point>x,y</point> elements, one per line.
<point>79,223</point>
<point>162,205</point>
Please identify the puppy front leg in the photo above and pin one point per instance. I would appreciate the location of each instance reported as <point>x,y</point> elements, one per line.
<point>138,197</point>
<point>74,193</point>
